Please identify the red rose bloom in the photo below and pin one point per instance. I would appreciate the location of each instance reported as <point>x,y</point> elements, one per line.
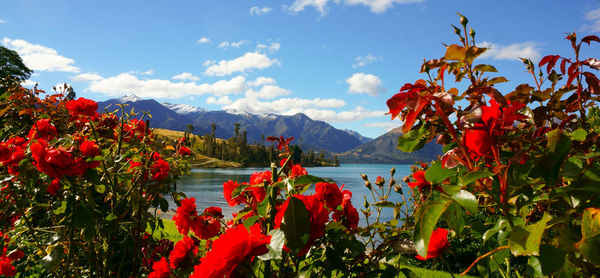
<point>181,251</point>
<point>183,151</point>
<point>329,193</point>
<point>438,243</point>
<point>134,129</point>
<point>214,212</point>
<point>185,216</point>
<point>82,107</point>
<point>260,177</point>
<point>228,188</point>
<point>160,169</point>
<point>420,180</point>
<point>43,129</point>
<point>90,149</point>
<point>318,218</point>
<point>53,187</point>
<point>348,215</point>
<point>6,267</point>
<point>206,227</point>
<point>160,269</point>
<point>229,250</point>
<point>297,171</point>
<point>56,162</point>
<point>12,152</point>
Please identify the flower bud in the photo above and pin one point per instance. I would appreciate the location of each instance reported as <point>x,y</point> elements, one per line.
<point>366,204</point>
<point>398,189</point>
<point>393,171</point>
<point>380,181</point>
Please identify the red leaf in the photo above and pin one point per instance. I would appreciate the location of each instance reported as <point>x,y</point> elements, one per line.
<point>396,104</point>
<point>590,38</point>
<point>572,68</point>
<point>571,77</point>
<point>545,60</point>
<point>552,64</point>
<point>411,117</point>
<point>593,82</point>
<point>562,65</point>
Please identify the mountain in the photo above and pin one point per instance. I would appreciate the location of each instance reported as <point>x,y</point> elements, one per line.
<point>308,133</point>
<point>383,149</point>
<point>358,136</point>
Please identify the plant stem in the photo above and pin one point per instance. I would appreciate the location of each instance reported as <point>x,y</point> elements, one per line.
<point>483,257</point>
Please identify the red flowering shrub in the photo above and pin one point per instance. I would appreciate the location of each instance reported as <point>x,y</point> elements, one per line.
<point>330,194</point>
<point>82,107</point>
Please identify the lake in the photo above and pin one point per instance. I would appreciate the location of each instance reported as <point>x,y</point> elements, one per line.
<point>206,185</point>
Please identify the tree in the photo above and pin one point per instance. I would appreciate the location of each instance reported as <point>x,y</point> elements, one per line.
<point>12,69</point>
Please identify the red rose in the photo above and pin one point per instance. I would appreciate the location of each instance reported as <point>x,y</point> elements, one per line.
<point>214,212</point>
<point>438,243</point>
<point>297,171</point>
<point>133,129</point>
<point>478,141</point>
<point>185,216</point>
<point>420,181</point>
<point>90,149</point>
<point>329,193</point>
<point>6,267</point>
<point>43,129</point>
<point>12,152</point>
<point>318,218</point>
<point>183,151</point>
<point>53,187</point>
<point>82,107</point>
<point>160,169</point>
<point>229,250</point>
<point>181,251</point>
<point>348,215</point>
<point>228,188</point>
<point>56,162</point>
<point>206,227</point>
<point>260,177</point>
<point>160,269</point>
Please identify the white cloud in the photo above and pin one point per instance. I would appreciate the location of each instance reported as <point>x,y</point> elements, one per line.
<point>2,21</point>
<point>511,52</point>
<point>259,11</point>
<point>272,48</point>
<point>260,81</point>
<point>186,76</point>
<point>267,92</point>
<point>226,44</point>
<point>364,60</point>
<point>224,100</point>
<point>283,106</point>
<point>137,72</point>
<point>594,17</point>
<point>40,58</point>
<point>126,83</point>
<point>376,6</point>
<point>208,63</point>
<point>28,83</point>
<point>357,114</point>
<point>299,5</point>
<point>385,125</point>
<point>362,83</point>
<point>250,60</point>
<point>84,77</point>
<point>203,40</point>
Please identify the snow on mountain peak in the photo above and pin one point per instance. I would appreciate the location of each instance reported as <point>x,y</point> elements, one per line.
<point>129,98</point>
<point>183,108</point>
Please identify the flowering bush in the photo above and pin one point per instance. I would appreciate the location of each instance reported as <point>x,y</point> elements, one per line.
<point>526,162</point>
<point>76,195</point>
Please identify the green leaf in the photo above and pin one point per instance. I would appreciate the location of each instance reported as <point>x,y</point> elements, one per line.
<point>497,80</point>
<point>471,177</point>
<point>590,223</point>
<point>578,135</point>
<point>309,179</point>
<point>426,218</point>
<point>413,140</point>
<point>454,218</point>
<point>385,204</point>
<point>552,259</point>
<point>238,190</point>
<point>589,248</point>
<point>466,199</point>
<point>242,213</point>
<point>455,52</point>
<point>61,209</point>
<point>437,174</point>
<point>534,267</point>
<point>100,188</point>
<point>250,221</point>
<point>275,246</point>
<point>408,273</point>
<point>525,240</point>
<point>559,146</point>
<point>110,217</point>
<point>296,225</point>
<point>485,68</point>
<point>164,205</point>
<point>500,224</point>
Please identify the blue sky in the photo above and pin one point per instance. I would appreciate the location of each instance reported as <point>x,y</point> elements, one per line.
<point>334,60</point>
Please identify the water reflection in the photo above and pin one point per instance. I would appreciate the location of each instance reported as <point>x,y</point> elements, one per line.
<point>206,185</point>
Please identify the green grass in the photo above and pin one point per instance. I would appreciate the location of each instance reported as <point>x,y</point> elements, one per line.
<point>170,231</point>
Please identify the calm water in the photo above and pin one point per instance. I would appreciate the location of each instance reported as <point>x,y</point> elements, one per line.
<point>206,185</point>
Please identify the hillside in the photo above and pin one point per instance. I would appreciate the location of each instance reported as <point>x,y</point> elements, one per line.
<point>383,149</point>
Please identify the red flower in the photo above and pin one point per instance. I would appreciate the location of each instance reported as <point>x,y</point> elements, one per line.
<point>318,218</point>
<point>183,150</point>
<point>206,227</point>
<point>438,243</point>
<point>297,171</point>
<point>186,215</point>
<point>229,250</point>
<point>91,150</point>
<point>133,129</point>
<point>6,267</point>
<point>181,251</point>
<point>53,187</point>
<point>281,142</point>
<point>348,215</point>
<point>420,180</point>
<point>82,107</point>
<point>56,162</point>
<point>409,96</point>
<point>329,193</point>
<point>12,152</point>
<point>478,141</point>
<point>214,212</point>
<point>228,188</point>
<point>160,169</point>
<point>160,269</point>
<point>44,129</point>
<point>260,177</point>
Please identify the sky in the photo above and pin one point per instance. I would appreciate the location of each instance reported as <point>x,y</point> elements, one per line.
<point>334,60</point>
